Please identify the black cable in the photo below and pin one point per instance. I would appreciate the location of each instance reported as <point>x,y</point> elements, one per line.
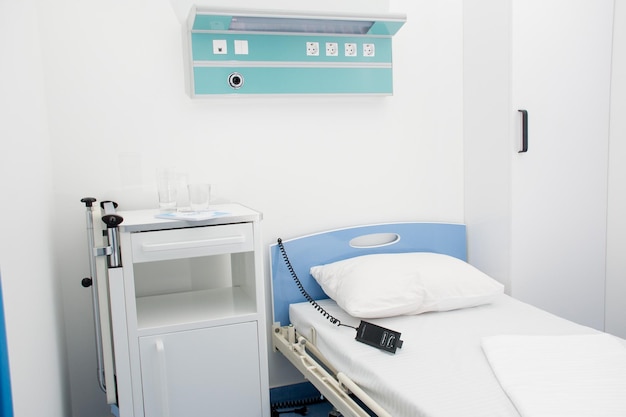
<point>303,411</point>
<point>298,406</point>
<point>306,295</point>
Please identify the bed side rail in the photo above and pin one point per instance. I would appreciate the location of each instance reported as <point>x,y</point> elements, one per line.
<point>336,388</point>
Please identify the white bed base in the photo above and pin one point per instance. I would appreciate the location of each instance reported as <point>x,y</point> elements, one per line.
<point>335,386</point>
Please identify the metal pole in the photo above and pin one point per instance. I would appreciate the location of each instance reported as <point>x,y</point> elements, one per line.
<point>94,288</point>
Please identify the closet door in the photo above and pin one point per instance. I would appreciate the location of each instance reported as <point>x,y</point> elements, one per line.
<point>561,60</point>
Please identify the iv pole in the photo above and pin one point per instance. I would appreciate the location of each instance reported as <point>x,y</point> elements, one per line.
<point>89,282</point>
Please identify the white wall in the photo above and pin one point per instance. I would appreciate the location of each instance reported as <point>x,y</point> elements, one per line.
<point>117,111</point>
<point>32,297</point>
<point>616,240</point>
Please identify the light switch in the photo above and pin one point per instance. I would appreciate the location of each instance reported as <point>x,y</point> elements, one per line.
<point>241,47</point>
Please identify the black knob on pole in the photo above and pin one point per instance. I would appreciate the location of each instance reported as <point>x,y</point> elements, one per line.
<point>86,282</point>
<point>88,201</point>
<point>112,220</point>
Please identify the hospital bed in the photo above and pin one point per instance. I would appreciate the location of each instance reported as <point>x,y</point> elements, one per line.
<point>467,348</point>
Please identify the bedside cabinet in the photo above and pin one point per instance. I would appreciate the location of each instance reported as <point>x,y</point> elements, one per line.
<point>188,316</point>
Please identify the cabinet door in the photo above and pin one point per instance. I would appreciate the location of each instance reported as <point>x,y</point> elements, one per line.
<point>561,61</point>
<point>199,373</point>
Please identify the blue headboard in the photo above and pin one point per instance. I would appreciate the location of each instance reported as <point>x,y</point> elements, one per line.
<point>326,247</point>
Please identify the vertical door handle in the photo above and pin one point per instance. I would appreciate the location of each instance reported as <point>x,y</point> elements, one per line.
<point>165,403</point>
<point>524,131</point>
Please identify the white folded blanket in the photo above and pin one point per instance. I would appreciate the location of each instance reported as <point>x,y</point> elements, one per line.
<point>564,376</point>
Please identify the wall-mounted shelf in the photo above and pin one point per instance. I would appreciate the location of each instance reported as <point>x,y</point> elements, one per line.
<point>259,53</point>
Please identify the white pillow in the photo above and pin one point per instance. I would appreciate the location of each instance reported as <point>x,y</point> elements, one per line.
<point>392,284</point>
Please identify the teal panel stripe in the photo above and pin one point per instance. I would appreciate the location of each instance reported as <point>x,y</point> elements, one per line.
<point>279,80</point>
<point>275,48</point>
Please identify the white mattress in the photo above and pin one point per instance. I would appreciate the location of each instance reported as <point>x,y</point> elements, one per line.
<point>441,370</point>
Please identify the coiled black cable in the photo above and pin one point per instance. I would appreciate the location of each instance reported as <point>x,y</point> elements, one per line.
<point>306,295</point>
<point>299,406</point>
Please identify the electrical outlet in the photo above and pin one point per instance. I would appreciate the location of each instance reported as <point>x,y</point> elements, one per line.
<point>369,49</point>
<point>350,49</point>
<point>219,47</point>
<point>332,49</point>
<point>312,48</point>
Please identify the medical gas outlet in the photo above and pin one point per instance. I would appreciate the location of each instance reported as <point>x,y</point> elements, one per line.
<point>235,80</point>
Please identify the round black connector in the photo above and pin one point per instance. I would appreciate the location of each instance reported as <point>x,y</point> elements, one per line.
<point>235,80</point>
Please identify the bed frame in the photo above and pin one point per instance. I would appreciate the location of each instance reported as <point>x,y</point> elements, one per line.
<point>326,247</point>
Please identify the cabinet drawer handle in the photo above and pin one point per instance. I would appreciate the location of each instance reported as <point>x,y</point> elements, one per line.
<point>191,244</point>
<point>524,131</point>
<point>165,404</point>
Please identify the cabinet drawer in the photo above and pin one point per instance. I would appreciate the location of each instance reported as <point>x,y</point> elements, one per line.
<point>191,242</point>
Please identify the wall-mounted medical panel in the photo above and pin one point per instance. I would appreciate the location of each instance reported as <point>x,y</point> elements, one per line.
<point>252,53</point>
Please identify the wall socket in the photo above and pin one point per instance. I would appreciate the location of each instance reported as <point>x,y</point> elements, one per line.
<point>332,49</point>
<point>350,49</point>
<point>369,49</point>
<point>312,48</point>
